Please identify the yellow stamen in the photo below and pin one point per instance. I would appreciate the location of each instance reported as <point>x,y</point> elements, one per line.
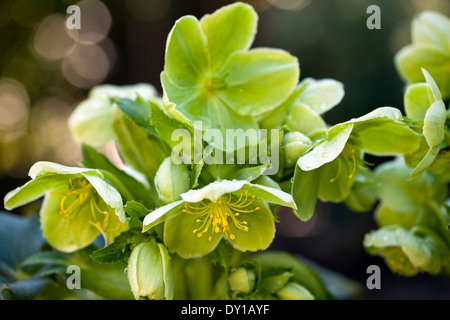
<point>222,214</point>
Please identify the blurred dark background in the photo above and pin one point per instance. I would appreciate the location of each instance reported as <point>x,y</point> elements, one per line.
<point>45,70</point>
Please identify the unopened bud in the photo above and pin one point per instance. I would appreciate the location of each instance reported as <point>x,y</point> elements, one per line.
<point>294,291</point>
<point>171,180</point>
<point>294,144</point>
<point>150,272</point>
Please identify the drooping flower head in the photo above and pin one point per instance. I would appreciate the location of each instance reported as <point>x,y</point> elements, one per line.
<point>79,205</point>
<point>234,210</point>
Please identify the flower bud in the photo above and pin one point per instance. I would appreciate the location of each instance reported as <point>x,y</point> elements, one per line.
<point>150,272</point>
<point>294,291</point>
<point>171,180</point>
<point>242,281</point>
<point>294,144</point>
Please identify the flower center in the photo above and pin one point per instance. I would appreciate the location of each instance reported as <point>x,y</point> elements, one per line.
<point>353,161</point>
<point>82,193</point>
<point>217,216</point>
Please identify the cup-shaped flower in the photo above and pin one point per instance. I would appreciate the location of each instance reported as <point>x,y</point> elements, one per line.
<point>328,169</point>
<point>408,252</point>
<point>150,272</point>
<point>212,77</point>
<point>92,120</point>
<point>430,49</point>
<point>235,210</point>
<point>79,205</point>
<point>423,103</point>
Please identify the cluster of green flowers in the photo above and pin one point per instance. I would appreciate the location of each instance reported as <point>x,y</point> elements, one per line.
<point>168,220</point>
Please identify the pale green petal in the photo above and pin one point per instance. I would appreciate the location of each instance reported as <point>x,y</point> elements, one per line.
<point>144,90</point>
<point>64,235</point>
<point>431,27</point>
<point>322,95</point>
<point>436,94</point>
<point>417,101</point>
<point>412,58</point>
<point>399,194</point>
<point>259,80</point>
<point>91,122</point>
<point>229,29</point>
<point>382,132</point>
<point>42,167</point>
<point>328,149</point>
<point>214,190</point>
<point>33,190</point>
<point>161,214</point>
<point>270,195</point>
<point>108,194</point>
<point>304,191</point>
<point>180,238</point>
<point>434,123</point>
<point>385,216</point>
<point>303,119</point>
<point>261,229</point>
<point>186,58</point>
<point>336,180</point>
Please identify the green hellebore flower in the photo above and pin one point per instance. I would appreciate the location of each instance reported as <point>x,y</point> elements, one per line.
<point>330,166</point>
<point>408,203</point>
<point>150,272</point>
<point>408,252</point>
<point>423,102</point>
<point>171,180</point>
<point>92,120</point>
<point>236,210</point>
<point>78,206</point>
<point>301,111</point>
<point>430,49</point>
<point>212,76</point>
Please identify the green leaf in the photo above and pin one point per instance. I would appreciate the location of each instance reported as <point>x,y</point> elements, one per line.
<point>221,254</point>
<point>138,148</point>
<point>107,280</point>
<point>46,257</point>
<point>229,29</point>
<point>120,179</point>
<point>302,273</point>
<point>20,237</point>
<point>138,111</point>
<point>23,290</point>
<point>116,251</point>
